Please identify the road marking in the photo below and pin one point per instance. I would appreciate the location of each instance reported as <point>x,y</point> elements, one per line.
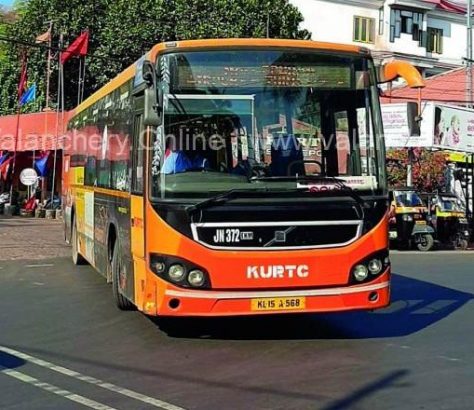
<point>56,390</point>
<point>92,380</point>
<point>44,265</point>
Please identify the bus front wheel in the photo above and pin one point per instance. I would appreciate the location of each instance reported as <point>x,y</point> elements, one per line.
<point>117,265</point>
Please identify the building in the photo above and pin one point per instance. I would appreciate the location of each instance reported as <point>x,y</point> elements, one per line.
<point>430,34</point>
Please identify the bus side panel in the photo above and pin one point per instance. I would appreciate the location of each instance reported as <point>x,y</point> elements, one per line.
<point>112,211</point>
<point>122,214</point>
<point>66,197</point>
<point>103,208</point>
<point>138,248</point>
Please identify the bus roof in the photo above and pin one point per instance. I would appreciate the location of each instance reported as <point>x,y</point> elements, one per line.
<point>129,72</point>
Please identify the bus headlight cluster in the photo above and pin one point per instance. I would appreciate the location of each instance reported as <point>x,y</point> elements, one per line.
<point>360,273</point>
<point>179,271</point>
<point>370,268</point>
<point>176,273</point>
<point>407,218</point>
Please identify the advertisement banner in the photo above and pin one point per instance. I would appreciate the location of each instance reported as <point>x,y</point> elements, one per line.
<point>401,128</point>
<point>453,128</point>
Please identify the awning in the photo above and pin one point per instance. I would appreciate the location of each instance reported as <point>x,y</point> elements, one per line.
<point>36,132</point>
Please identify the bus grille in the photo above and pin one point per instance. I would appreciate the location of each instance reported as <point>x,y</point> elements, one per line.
<point>276,235</point>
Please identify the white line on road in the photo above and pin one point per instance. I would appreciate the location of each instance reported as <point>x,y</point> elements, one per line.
<point>43,265</point>
<point>56,390</point>
<point>92,380</point>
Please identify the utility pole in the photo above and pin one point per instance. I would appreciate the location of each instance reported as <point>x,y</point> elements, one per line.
<point>268,19</point>
<point>469,55</point>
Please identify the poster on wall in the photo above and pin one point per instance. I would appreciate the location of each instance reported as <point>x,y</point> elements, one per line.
<point>453,128</point>
<point>401,129</point>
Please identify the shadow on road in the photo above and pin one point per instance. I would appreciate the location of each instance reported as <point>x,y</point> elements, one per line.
<point>415,305</point>
<point>8,361</point>
<point>359,395</point>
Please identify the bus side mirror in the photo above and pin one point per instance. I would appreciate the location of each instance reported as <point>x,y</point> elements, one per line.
<point>395,69</point>
<point>153,97</point>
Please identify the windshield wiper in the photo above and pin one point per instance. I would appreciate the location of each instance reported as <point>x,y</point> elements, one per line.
<point>221,199</point>
<point>235,193</point>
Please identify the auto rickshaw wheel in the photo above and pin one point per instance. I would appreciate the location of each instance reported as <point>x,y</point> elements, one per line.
<point>426,243</point>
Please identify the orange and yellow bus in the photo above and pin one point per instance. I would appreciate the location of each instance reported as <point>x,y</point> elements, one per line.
<point>235,177</point>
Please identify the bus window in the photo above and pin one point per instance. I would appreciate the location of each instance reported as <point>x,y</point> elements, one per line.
<point>138,155</point>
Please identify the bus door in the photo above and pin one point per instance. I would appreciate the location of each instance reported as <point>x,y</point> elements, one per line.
<point>137,200</point>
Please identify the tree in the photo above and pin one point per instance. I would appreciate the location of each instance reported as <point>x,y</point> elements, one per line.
<point>428,169</point>
<point>123,30</point>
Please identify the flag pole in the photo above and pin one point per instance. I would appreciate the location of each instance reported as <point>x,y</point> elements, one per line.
<point>15,150</point>
<point>48,65</point>
<point>83,78</point>
<point>79,82</point>
<point>22,83</point>
<point>60,106</point>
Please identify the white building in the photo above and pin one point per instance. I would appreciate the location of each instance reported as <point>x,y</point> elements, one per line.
<point>431,34</point>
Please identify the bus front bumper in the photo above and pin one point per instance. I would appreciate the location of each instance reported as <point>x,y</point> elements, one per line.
<point>184,302</point>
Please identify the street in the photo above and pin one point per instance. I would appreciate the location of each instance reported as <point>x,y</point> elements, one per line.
<point>64,345</point>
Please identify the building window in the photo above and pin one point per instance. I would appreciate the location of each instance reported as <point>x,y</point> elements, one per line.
<point>434,40</point>
<point>364,29</point>
<point>381,20</point>
<point>407,22</point>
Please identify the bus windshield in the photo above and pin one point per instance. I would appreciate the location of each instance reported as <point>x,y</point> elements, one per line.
<point>253,119</point>
<point>408,199</point>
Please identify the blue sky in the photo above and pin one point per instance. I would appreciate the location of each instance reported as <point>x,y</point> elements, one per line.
<point>6,2</point>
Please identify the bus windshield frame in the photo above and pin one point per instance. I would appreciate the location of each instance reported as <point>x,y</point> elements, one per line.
<point>276,117</point>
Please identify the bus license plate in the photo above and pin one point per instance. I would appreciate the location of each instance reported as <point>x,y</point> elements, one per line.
<point>420,222</point>
<point>278,304</point>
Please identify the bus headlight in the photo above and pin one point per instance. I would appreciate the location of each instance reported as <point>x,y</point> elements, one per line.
<point>176,273</point>
<point>360,273</point>
<point>196,278</point>
<point>408,218</point>
<point>369,268</point>
<point>375,266</point>
<point>179,271</point>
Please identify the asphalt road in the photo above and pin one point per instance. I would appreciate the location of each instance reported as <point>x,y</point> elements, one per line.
<point>63,345</point>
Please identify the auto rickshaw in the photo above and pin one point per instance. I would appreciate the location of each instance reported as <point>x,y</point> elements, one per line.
<point>408,223</point>
<point>448,217</point>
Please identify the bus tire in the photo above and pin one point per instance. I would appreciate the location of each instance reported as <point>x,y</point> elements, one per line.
<point>120,300</point>
<point>426,243</point>
<point>77,258</point>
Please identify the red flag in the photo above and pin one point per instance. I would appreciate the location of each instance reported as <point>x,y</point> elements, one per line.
<point>77,48</point>
<point>22,86</point>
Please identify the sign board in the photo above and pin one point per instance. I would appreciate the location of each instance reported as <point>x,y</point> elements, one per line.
<point>28,176</point>
<point>453,128</point>
<point>401,129</point>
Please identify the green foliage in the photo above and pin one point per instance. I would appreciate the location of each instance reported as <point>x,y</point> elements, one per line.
<point>428,169</point>
<point>123,30</point>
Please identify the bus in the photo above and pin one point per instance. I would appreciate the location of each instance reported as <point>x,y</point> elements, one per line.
<point>235,177</point>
